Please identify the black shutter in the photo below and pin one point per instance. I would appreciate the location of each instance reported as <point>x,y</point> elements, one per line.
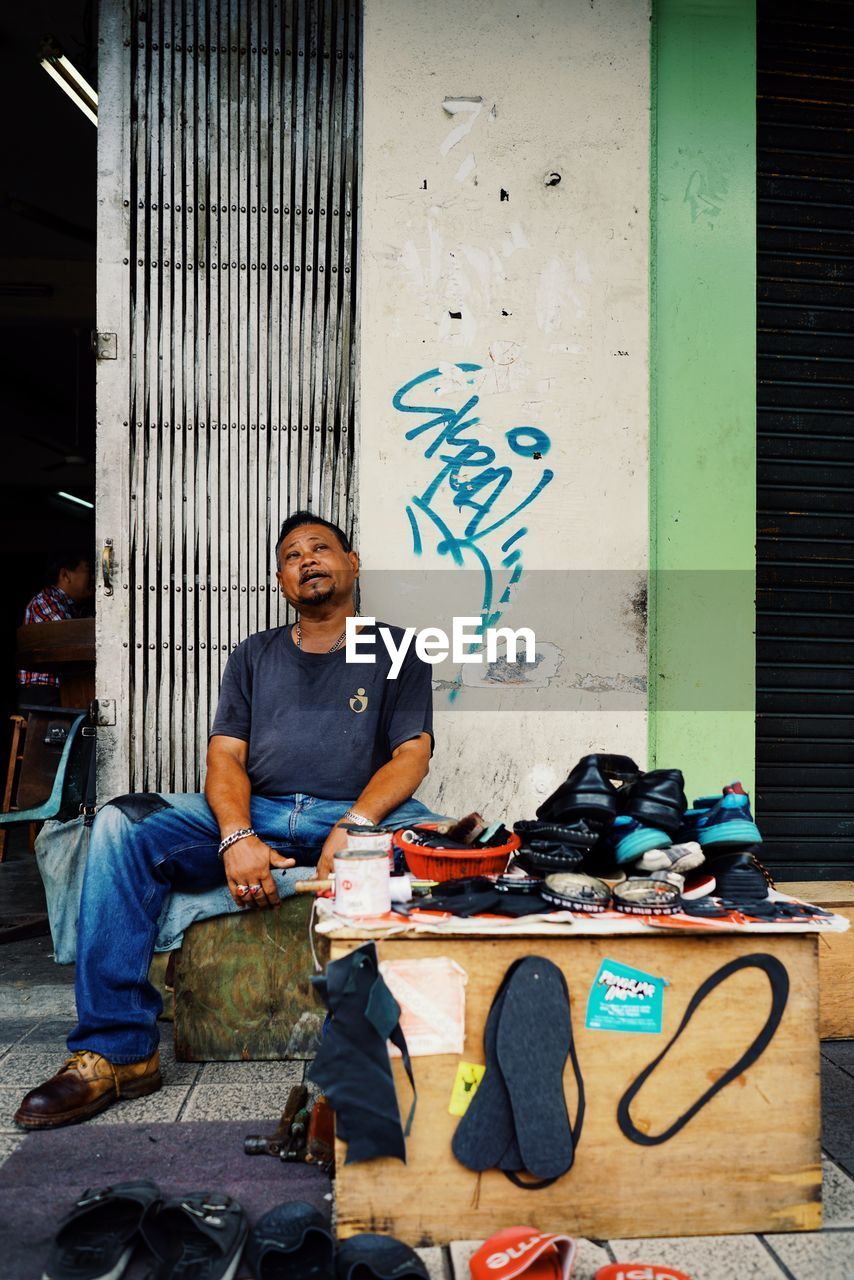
<point>805,446</point>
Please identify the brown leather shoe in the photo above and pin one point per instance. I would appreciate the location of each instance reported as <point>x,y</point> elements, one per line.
<point>87,1084</point>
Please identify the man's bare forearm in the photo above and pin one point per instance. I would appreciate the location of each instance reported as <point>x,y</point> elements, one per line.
<point>227,791</point>
<point>390,786</point>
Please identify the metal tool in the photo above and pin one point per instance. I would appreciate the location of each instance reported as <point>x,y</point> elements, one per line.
<point>290,1134</point>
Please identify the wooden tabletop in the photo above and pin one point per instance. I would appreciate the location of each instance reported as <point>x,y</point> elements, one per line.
<point>48,646</point>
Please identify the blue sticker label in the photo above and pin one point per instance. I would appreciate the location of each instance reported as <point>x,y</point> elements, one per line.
<point>625,999</point>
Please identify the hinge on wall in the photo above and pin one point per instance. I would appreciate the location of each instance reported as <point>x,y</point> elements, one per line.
<point>106,711</point>
<point>105,345</point>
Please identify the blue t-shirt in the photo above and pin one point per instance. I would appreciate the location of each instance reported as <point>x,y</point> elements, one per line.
<point>314,722</point>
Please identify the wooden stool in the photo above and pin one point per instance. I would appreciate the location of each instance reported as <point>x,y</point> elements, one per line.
<point>242,989</point>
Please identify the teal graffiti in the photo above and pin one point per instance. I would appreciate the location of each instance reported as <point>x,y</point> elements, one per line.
<point>479,502</point>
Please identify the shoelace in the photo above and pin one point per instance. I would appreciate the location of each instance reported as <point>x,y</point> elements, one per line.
<point>78,1062</point>
<point>766,873</point>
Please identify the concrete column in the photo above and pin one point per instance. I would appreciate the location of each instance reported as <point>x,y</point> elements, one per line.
<point>504,233</point>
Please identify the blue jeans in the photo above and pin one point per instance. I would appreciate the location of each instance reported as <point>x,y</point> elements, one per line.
<point>143,848</point>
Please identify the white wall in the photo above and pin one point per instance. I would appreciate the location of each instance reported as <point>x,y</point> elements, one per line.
<point>464,101</point>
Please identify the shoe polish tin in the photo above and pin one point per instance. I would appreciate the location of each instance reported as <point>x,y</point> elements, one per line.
<point>362,882</point>
<point>370,840</point>
<point>643,896</point>
<point>575,891</point>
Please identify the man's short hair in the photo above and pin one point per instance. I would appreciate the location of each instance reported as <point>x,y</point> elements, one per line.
<point>69,560</point>
<point>308,517</point>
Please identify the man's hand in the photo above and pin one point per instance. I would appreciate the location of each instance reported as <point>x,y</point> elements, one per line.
<point>247,870</point>
<point>334,843</point>
<point>395,782</point>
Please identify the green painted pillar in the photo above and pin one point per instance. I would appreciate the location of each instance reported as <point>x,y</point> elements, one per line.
<point>703,391</point>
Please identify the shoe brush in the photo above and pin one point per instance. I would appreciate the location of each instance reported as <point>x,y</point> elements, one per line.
<point>465,830</point>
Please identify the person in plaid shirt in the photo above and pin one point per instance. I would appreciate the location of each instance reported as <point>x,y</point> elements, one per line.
<point>70,583</point>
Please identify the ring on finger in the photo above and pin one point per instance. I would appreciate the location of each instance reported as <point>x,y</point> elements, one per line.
<point>243,889</point>
<point>254,889</point>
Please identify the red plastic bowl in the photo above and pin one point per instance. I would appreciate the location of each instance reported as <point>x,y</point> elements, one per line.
<point>454,864</point>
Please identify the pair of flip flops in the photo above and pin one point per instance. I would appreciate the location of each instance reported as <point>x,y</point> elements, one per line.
<point>200,1235</point>
<point>517,1120</point>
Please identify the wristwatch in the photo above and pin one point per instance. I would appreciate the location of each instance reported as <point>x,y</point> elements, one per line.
<point>357,819</point>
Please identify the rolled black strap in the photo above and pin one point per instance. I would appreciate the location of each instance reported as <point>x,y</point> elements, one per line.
<point>779,981</point>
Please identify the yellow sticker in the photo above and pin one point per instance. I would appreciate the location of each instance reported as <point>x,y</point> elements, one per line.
<point>469,1076</point>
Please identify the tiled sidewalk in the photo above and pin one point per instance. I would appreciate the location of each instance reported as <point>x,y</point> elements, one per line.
<point>32,1048</point>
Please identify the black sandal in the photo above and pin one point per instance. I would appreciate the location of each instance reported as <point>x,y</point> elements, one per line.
<point>199,1236</point>
<point>96,1239</point>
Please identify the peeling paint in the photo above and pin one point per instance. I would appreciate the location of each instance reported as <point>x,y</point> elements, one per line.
<point>608,684</point>
<point>557,295</point>
<point>537,674</point>
<point>635,615</point>
<point>470,108</point>
<point>583,270</point>
<point>516,240</point>
<point>466,168</point>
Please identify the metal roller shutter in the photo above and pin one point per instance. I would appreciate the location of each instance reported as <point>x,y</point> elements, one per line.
<point>227,266</point>
<point>805,454</point>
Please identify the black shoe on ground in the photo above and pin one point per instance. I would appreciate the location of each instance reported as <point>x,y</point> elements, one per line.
<point>375,1257</point>
<point>291,1242</point>
<point>96,1238</point>
<point>201,1234</point>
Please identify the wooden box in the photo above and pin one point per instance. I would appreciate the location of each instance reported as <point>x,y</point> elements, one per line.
<point>749,1161</point>
<point>835,956</point>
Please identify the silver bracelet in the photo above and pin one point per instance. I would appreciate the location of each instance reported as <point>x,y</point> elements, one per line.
<point>357,819</point>
<point>234,837</point>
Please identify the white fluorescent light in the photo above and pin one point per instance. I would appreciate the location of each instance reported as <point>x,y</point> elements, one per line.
<point>71,497</point>
<point>72,82</point>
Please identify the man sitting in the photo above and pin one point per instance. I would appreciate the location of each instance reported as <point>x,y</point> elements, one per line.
<point>69,586</point>
<point>299,745</point>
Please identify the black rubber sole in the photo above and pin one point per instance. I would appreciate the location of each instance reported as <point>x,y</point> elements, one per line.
<point>654,813</point>
<point>583,804</point>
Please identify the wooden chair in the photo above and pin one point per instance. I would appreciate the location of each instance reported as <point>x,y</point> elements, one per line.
<point>38,766</point>
<point>16,755</point>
